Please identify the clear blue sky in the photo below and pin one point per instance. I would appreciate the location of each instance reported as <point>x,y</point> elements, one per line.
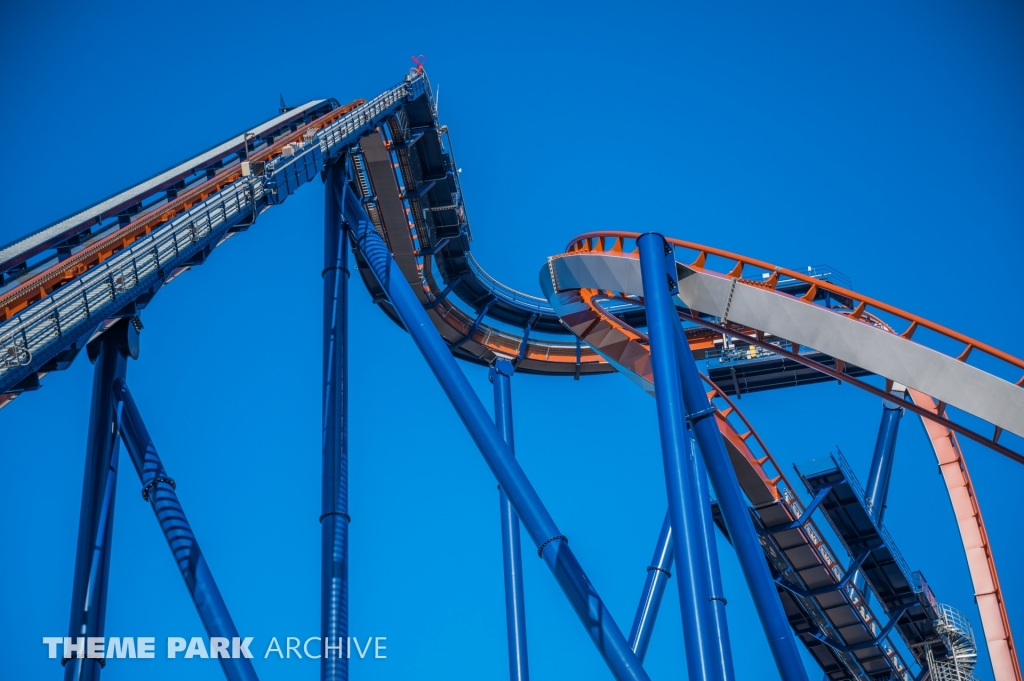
<point>884,140</point>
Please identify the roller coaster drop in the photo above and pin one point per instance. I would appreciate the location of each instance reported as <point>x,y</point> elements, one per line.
<point>393,196</point>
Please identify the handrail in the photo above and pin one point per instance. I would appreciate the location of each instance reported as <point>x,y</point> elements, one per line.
<point>51,311</point>
<point>85,302</point>
<point>507,292</point>
<point>733,409</point>
<point>45,282</point>
<point>854,483</point>
<point>48,237</point>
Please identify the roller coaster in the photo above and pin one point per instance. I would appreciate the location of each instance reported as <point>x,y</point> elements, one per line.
<point>823,571</point>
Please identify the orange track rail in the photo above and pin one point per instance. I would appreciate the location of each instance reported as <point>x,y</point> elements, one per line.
<point>595,242</point>
<point>614,242</point>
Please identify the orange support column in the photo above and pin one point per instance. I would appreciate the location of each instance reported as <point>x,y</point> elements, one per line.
<point>987,593</point>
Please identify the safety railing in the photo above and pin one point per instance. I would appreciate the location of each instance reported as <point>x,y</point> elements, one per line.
<point>819,273</point>
<point>31,333</point>
<point>152,192</point>
<point>813,536</point>
<point>851,480</point>
<point>502,341</point>
<point>335,133</point>
<point>507,293</point>
<point>86,301</point>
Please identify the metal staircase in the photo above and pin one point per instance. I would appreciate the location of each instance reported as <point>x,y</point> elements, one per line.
<point>958,665</point>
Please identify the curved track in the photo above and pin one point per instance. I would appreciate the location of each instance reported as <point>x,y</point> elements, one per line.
<point>600,268</point>
<point>66,284</point>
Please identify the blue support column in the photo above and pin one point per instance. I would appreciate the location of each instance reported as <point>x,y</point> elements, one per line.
<point>96,520</point>
<point>677,451</point>
<point>552,545</point>
<point>334,518</point>
<point>877,487</point>
<point>734,507</point>
<point>511,553</point>
<point>716,600</point>
<point>159,490</point>
<point>658,574</point>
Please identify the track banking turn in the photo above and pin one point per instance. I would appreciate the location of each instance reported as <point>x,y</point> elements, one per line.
<point>757,327</point>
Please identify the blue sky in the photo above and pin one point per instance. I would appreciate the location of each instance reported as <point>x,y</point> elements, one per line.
<point>883,140</point>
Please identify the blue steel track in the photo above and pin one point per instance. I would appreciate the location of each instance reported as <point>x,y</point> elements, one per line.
<point>393,199</point>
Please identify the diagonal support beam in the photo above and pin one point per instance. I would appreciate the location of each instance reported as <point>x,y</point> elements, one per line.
<point>159,490</point>
<point>805,516</point>
<point>851,573</point>
<point>658,574</point>
<point>444,293</point>
<point>524,344</point>
<point>660,571</point>
<point>877,488</point>
<point>551,544</point>
<point>436,248</point>
<point>476,324</point>
<point>881,467</point>
<point>876,641</point>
